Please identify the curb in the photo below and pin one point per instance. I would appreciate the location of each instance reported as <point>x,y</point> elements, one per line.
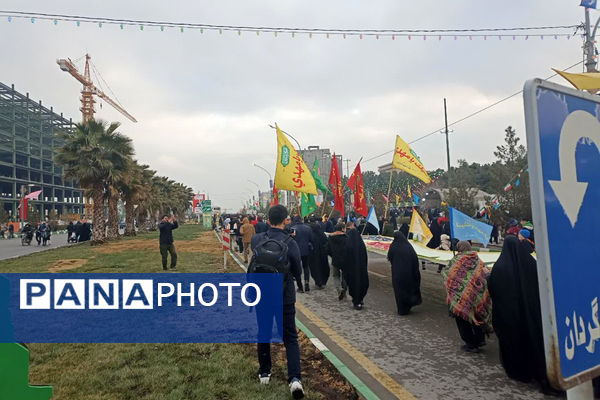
<point>354,380</point>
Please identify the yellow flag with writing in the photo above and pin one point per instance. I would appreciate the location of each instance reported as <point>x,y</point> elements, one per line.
<point>291,172</point>
<point>407,160</point>
<point>419,227</point>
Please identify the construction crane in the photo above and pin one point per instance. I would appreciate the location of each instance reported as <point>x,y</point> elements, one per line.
<point>89,89</point>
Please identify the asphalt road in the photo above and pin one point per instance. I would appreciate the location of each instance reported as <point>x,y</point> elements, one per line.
<point>420,351</point>
<point>10,248</point>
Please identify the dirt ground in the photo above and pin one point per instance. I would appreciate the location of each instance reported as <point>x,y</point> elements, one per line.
<point>205,243</point>
<point>324,377</point>
<point>65,265</point>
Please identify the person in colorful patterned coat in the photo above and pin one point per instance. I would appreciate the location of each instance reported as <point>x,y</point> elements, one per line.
<point>467,296</point>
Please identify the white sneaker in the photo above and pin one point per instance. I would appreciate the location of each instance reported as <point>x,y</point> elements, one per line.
<point>264,378</point>
<point>296,389</point>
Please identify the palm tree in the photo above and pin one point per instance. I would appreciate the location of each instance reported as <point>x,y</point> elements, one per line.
<point>95,154</point>
<point>121,158</point>
<point>145,203</point>
<point>135,190</point>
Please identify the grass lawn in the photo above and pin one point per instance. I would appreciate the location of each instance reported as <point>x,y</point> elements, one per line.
<point>162,371</point>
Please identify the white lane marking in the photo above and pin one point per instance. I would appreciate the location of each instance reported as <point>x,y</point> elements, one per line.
<point>378,274</point>
<point>318,344</point>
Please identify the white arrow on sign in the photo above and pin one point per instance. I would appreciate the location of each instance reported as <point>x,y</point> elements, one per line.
<point>568,190</point>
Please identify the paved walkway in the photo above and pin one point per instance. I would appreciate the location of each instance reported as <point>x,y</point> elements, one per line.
<point>10,248</point>
<point>419,353</point>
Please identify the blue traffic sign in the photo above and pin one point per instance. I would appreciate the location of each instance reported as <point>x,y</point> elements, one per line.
<point>563,138</point>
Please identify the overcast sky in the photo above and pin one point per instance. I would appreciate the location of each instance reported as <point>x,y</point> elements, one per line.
<point>204,100</point>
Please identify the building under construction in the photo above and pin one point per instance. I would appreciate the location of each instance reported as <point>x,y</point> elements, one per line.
<point>324,156</point>
<point>27,146</point>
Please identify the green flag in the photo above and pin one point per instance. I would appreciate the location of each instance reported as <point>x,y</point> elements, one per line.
<point>309,205</point>
<point>315,173</point>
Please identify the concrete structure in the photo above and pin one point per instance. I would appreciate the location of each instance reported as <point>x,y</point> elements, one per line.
<point>324,156</point>
<point>27,146</point>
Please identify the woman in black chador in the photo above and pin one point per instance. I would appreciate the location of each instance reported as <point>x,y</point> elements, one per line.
<point>406,277</point>
<point>355,271</point>
<point>319,264</point>
<point>516,314</point>
<point>436,231</point>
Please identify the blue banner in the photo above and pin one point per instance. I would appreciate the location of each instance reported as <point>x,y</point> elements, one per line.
<point>589,3</point>
<point>464,227</point>
<point>141,308</point>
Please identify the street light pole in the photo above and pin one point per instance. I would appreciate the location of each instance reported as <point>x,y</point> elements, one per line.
<point>270,181</point>
<point>298,143</point>
<point>268,173</point>
<point>22,211</point>
<point>257,187</point>
<point>447,141</point>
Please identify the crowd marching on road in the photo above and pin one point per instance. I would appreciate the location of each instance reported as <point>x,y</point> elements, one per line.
<point>81,231</point>
<point>503,300</point>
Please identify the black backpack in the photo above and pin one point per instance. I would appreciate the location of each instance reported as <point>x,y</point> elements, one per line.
<point>271,256</point>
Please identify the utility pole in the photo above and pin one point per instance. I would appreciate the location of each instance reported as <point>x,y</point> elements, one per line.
<point>447,141</point>
<point>589,48</point>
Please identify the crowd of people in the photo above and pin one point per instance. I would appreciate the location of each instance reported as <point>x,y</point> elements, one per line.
<point>503,300</point>
<point>81,231</point>
<point>317,239</point>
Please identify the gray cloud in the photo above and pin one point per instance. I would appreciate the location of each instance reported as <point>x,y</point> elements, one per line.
<point>204,101</point>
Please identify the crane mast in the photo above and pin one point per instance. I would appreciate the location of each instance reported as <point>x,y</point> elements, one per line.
<point>89,90</point>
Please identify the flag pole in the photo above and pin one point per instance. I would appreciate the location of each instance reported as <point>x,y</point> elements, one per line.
<point>324,201</point>
<point>388,194</point>
<point>298,204</point>
<point>331,212</point>
<point>364,227</point>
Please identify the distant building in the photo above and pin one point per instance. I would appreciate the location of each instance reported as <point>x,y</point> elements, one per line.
<point>435,196</point>
<point>264,198</point>
<point>27,147</point>
<point>324,156</point>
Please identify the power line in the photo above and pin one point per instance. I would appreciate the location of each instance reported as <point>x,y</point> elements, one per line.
<point>470,115</point>
<point>495,31</point>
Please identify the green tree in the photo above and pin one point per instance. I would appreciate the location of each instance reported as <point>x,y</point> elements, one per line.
<point>53,219</point>
<point>511,159</point>
<point>134,189</point>
<point>94,154</point>
<point>463,188</point>
<point>33,215</point>
<point>3,214</point>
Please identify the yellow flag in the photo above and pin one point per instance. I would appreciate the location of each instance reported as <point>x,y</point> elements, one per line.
<point>408,161</point>
<point>291,172</point>
<point>419,227</point>
<point>583,81</point>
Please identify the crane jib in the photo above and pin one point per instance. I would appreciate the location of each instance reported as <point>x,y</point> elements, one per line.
<point>89,90</point>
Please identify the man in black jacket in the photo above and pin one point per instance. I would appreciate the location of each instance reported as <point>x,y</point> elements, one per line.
<point>166,227</point>
<point>303,236</point>
<point>277,216</point>
<point>261,226</point>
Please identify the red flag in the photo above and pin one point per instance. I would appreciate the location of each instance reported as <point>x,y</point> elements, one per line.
<point>335,180</point>
<point>355,182</point>
<point>275,197</point>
